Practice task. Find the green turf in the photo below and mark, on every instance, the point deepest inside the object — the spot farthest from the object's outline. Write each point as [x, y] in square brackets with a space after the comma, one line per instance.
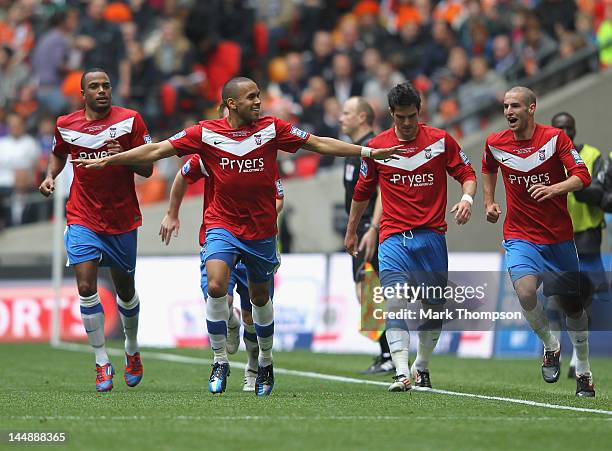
[48, 389]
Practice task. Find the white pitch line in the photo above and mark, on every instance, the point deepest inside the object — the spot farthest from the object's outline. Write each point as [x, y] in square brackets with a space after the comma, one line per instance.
[198, 361]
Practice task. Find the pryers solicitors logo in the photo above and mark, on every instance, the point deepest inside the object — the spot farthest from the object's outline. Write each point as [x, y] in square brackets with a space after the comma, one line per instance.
[242, 165]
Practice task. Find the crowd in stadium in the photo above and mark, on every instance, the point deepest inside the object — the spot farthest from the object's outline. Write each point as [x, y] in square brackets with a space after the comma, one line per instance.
[168, 59]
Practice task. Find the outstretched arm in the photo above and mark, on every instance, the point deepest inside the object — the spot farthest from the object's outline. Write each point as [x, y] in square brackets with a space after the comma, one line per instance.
[144, 170]
[331, 146]
[147, 153]
[55, 166]
[171, 222]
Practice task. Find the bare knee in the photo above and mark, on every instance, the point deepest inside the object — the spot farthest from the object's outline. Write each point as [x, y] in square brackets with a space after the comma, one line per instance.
[571, 306]
[87, 288]
[526, 289]
[217, 288]
[125, 292]
[260, 293]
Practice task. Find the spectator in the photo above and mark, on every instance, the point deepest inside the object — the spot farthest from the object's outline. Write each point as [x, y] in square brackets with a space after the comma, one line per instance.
[13, 74]
[129, 31]
[479, 42]
[557, 16]
[314, 98]
[276, 16]
[174, 57]
[144, 86]
[484, 86]
[102, 45]
[295, 83]
[504, 59]
[459, 64]
[569, 44]
[19, 154]
[409, 49]
[370, 60]
[344, 83]
[144, 16]
[26, 105]
[319, 60]
[172, 53]
[371, 32]
[16, 31]
[349, 39]
[442, 102]
[584, 26]
[376, 90]
[50, 61]
[436, 53]
[535, 49]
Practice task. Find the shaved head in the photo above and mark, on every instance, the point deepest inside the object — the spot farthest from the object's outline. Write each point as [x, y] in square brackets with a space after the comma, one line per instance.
[240, 96]
[527, 94]
[519, 109]
[231, 89]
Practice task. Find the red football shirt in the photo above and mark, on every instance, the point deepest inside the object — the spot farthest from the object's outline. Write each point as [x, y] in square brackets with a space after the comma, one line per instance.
[542, 159]
[193, 170]
[105, 200]
[413, 187]
[241, 168]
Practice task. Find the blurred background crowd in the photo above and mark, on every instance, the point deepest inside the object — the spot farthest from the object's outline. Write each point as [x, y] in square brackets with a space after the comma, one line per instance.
[169, 58]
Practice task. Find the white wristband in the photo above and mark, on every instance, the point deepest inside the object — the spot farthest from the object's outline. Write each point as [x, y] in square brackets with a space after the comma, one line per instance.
[467, 198]
[366, 151]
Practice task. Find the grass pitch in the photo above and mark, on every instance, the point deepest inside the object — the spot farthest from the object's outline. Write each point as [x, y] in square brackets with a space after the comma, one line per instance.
[47, 389]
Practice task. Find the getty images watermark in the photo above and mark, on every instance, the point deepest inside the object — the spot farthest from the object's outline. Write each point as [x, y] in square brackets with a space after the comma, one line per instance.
[431, 298]
[473, 300]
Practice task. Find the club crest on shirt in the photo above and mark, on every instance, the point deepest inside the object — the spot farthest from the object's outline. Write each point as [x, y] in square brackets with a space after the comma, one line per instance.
[364, 168]
[542, 154]
[112, 132]
[257, 139]
[179, 135]
[299, 133]
[577, 157]
[428, 153]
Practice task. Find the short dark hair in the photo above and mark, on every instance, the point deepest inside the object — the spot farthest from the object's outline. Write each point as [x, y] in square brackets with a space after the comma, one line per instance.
[404, 94]
[57, 18]
[91, 70]
[562, 114]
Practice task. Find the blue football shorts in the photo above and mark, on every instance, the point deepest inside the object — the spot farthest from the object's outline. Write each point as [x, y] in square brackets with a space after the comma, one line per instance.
[416, 257]
[260, 257]
[117, 250]
[555, 265]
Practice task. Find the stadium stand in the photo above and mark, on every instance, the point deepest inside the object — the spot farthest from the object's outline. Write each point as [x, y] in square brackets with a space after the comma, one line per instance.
[168, 60]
